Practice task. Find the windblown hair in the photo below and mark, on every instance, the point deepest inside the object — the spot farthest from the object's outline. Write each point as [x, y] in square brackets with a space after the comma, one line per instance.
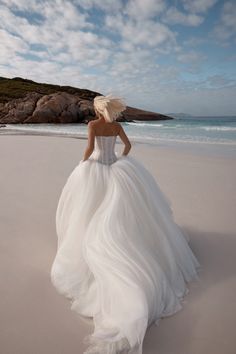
[109, 106]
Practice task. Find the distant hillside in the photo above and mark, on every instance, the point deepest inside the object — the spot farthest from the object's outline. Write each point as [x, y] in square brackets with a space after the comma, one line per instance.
[26, 101]
[19, 88]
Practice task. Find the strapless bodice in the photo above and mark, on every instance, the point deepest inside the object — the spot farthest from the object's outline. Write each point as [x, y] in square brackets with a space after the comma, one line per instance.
[104, 149]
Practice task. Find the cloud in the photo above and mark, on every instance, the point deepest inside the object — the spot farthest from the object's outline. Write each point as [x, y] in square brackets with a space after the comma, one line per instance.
[139, 9]
[194, 41]
[64, 34]
[174, 16]
[146, 33]
[219, 81]
[105, 5]
[225, 29]
[190, 57]
[198, 6]
[9, 45]
[57, 21]
[24, 5]
[192, 61]
[204, 101]
[133, 64]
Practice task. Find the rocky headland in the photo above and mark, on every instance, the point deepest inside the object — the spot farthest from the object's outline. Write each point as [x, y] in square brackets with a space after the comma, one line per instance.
[25, 101]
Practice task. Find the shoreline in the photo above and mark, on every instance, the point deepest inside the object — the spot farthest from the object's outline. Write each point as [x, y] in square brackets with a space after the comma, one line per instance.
[135, 139]
[227, 150]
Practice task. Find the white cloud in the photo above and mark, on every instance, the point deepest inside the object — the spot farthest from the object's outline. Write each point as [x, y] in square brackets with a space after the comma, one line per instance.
[229, 14]
[87, 48]
[174, 16]
[135, 9]
[190, 57]
[202, 102]
[198, 6]
[133, 64]
[139, 9]
[149, 33]
[9, 45]
[24, 5]
[144, 33]
[105, 5]
[54, 28]
[61, 34]
[192, 61]
[225, 30]
[194, 41]
[194, 97]
[218, 81]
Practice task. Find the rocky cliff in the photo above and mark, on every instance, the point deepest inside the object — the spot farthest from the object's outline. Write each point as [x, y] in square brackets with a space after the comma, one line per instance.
[26, 101]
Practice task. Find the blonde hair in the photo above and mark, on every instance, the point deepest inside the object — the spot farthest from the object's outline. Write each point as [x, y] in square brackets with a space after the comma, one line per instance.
[109, 106]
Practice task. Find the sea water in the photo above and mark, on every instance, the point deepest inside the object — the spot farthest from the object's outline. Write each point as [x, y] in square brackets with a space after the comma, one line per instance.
[221, 130]
[210, 130]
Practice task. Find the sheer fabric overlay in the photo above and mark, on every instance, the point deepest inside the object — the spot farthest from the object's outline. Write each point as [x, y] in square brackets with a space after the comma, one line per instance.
[121, 259]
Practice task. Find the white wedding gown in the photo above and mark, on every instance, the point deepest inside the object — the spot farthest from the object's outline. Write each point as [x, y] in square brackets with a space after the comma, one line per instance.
[121, 258]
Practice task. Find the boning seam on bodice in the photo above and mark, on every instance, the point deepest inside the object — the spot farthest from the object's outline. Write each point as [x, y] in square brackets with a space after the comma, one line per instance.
[105, 149]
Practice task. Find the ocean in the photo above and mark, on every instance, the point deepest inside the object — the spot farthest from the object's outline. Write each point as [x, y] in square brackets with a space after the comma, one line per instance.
[198, 130]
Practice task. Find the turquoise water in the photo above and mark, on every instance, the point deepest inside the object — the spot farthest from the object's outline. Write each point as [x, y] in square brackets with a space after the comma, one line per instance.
[212, 130]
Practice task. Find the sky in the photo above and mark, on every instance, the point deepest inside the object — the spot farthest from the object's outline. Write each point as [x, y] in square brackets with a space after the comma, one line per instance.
[162, 56]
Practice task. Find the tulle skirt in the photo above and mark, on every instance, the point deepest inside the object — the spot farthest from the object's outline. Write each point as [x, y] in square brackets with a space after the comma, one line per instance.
[121, 259]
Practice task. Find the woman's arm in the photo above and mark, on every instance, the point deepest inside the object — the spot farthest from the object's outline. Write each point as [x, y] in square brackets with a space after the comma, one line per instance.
[91, 138]
[125, 140]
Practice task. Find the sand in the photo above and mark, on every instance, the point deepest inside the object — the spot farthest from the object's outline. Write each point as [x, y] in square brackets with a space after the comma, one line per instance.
[35, 319]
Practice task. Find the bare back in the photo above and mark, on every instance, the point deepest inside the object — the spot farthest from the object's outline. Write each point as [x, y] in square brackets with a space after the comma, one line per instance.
[106, 129]
[113, 128]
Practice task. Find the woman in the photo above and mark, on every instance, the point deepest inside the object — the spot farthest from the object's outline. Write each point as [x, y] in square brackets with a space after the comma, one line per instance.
[121, 258]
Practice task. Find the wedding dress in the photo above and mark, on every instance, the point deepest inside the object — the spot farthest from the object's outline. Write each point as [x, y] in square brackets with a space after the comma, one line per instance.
[121, 259]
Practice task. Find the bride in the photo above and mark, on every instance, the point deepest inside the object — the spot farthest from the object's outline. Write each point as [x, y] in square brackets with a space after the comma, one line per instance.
[121, 259]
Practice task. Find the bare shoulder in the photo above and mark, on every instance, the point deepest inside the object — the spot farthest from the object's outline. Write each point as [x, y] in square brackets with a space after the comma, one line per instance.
[91, 123]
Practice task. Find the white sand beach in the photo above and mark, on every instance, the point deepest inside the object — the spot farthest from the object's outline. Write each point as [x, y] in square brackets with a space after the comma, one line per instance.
[35, 319]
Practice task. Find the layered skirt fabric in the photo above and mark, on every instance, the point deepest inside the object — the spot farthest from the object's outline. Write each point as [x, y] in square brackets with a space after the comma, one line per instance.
[121, 259]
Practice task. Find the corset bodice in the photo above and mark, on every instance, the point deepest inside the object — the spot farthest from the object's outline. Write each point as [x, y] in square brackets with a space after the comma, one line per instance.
[104, 149]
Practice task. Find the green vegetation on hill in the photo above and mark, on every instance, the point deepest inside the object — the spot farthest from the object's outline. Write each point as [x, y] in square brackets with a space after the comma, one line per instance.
[18, 88]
